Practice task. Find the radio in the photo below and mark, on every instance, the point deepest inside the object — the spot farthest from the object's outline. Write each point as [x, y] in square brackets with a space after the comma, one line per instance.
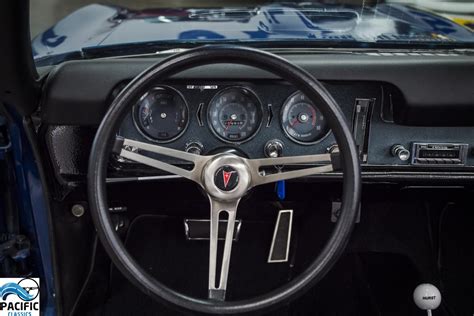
[439, 154]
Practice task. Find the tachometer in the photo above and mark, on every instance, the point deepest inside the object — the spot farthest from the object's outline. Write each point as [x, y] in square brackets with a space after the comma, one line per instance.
[235, 114]
[161, 114]
[302, 121]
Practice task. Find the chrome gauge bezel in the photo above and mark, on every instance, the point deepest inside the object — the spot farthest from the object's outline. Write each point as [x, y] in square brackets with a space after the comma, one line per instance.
[288, 135]
[259, 107]
[136, 107]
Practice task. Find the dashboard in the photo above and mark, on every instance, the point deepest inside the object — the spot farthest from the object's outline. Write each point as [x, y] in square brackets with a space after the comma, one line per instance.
[405, 123]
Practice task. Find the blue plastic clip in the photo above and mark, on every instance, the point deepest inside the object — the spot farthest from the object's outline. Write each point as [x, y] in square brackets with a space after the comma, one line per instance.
[281, 189]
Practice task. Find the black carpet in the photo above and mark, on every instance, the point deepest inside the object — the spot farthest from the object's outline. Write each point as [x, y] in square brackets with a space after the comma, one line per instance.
[160, 246]
[456, 259]
[359, 284]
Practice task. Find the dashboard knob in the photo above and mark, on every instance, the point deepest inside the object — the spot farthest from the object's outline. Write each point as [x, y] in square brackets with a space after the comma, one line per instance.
[401, 152]
[194, 148]
[333, 149]
[273, 148]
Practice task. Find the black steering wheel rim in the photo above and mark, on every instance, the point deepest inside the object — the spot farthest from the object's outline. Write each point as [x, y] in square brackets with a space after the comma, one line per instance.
[219, 54]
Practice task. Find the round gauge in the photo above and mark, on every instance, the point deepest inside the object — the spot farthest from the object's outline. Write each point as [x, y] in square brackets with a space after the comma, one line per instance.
[235, 114]
[302, 121]
[161, 114]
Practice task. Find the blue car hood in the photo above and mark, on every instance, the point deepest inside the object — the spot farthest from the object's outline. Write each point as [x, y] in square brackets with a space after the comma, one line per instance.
[96, 26]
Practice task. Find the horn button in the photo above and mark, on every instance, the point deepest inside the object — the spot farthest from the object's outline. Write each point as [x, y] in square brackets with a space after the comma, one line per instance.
[227, 177]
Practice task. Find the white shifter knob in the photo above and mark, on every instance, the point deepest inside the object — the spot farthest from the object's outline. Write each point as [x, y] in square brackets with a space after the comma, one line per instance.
[427, 297]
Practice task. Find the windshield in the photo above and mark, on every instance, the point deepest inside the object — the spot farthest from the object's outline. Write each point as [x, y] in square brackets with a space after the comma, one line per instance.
[82, 28]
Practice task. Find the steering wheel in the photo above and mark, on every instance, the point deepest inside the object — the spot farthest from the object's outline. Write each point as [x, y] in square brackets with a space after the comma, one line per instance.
[208, 171]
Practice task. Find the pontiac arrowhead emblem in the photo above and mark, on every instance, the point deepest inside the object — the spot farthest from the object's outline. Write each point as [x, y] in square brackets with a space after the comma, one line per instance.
[226, 178]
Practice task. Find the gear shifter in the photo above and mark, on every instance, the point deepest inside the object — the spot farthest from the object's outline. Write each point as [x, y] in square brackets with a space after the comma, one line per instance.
[427, 297]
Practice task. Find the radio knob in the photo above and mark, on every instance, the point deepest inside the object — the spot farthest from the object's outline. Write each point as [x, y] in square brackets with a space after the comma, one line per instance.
[401, 152]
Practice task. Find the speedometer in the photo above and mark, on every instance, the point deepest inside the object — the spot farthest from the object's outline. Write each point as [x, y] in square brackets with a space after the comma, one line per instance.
[235, 114]
[161, 114]
[302, 121]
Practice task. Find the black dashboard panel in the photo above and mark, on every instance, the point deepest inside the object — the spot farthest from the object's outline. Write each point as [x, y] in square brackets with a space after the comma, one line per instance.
[428, 82]
[395, 86]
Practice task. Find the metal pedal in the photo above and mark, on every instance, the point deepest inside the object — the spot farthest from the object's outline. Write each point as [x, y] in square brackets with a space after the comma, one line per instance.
[280, 248]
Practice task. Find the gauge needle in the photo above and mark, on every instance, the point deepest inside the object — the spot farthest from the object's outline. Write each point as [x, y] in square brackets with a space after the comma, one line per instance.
[227, 124]
[293, 123]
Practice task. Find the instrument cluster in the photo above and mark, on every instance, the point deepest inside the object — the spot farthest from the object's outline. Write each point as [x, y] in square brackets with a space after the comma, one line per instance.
[234, 114]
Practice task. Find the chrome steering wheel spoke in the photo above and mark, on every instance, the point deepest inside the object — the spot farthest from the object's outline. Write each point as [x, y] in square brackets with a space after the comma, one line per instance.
[218, 286]
[290, 160]
[260, 177]
[130, 149]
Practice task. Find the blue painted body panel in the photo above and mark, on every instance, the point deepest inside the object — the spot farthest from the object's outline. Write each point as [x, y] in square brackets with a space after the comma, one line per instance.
[33, 214]
[96, 26]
